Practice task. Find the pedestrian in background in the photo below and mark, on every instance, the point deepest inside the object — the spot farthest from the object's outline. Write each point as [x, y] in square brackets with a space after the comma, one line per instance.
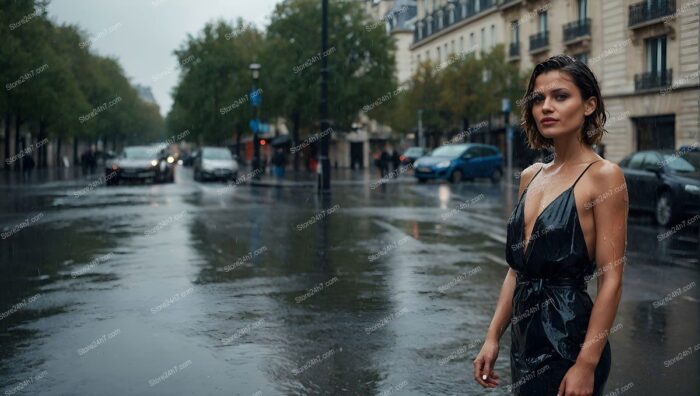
[384, 159]
[279, 163]
[395, 159]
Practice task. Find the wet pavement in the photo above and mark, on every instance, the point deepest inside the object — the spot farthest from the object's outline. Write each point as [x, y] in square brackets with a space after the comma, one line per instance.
[194, 288]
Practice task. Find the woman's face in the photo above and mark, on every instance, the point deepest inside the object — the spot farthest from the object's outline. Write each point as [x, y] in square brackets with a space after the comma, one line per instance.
[557, 106]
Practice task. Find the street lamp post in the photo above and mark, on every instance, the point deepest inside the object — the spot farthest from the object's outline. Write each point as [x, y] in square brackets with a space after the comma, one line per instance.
[255, 73]
[324, 165]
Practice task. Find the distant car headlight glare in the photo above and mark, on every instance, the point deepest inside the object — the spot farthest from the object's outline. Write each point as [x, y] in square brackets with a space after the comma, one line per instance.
[443, 164]
[693, 189]
[171, 159]
[154, 163]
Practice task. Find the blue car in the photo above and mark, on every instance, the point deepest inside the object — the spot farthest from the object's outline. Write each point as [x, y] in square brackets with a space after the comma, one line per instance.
[458, 162]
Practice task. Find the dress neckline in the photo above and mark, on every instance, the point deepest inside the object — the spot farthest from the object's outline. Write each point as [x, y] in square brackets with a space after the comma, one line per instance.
[526, 247]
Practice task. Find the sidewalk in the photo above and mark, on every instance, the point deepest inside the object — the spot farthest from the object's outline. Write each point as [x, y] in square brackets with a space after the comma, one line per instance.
[340, 176]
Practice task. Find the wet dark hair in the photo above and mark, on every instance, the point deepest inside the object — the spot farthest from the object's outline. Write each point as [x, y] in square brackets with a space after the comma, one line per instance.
[584, 79]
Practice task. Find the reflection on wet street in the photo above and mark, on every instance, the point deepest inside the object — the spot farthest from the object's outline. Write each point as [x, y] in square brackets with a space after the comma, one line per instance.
[195, 288]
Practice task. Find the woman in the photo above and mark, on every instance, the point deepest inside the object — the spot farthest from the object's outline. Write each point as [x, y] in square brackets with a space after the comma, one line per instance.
[569, 227]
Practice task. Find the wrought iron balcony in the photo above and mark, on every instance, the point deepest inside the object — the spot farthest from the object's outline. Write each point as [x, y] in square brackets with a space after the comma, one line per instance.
[539, 41]
[573, 31]
[653, 80]
[650, 10]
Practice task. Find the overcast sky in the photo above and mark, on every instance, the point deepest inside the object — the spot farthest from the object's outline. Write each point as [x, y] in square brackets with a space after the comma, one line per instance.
[142, 34]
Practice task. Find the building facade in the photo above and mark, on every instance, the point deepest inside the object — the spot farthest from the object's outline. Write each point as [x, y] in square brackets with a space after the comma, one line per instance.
[644, 53]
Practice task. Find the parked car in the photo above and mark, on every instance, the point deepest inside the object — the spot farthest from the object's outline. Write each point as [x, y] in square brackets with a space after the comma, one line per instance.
[144, 163]
[412, 154]
[458, 162]
[664, 182]
[215, 163]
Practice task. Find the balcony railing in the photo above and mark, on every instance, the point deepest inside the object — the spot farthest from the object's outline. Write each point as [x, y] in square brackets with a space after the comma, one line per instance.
[459, 13]
[514, 50]
[650, 10]
[539, 41]
[653, 80]
[577, 29]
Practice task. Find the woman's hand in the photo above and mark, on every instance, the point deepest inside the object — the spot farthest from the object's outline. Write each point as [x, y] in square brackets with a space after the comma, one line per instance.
[483, 365]
[578, 381]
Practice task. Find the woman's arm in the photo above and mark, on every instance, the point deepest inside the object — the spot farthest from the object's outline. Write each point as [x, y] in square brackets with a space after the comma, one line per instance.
[504, 308]
[610, 209]
[610, 214]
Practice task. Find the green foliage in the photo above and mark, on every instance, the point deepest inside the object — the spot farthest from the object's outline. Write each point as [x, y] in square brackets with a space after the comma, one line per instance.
[457, 90]
[212, 98]
[54, 81]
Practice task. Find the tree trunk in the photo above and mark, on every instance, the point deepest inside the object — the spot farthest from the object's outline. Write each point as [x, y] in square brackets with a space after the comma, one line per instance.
[42, 150]
[7, 139]
[59, 162]
[75, 150]
[295, 139]
[18, 123]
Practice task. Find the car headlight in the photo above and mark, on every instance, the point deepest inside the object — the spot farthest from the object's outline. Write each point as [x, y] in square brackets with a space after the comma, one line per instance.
[692, 188]
[171, 159]
[154, 163]
[443, 164]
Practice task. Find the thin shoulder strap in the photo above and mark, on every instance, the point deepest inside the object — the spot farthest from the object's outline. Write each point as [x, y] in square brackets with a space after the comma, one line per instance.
[584, 171]
[533, 177]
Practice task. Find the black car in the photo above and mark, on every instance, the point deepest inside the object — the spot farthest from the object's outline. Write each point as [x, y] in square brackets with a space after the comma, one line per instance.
[412, 154]
[664, 182]
[144, 163]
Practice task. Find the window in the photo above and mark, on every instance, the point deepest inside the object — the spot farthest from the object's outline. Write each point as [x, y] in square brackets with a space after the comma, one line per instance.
[493, 36]
[656, 55]
[439, 17]
[472, 40]
[543, 21]
[464, 8]
[461, 44]
[583, 57]
[438, 55]
[476, 6]
[514, 32]
[445, 51]
[582, 10]
[483, 38]
[452, 47]
[452, 16]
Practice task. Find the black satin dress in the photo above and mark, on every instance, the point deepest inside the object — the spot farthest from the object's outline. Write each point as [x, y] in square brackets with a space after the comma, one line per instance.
[551, 306]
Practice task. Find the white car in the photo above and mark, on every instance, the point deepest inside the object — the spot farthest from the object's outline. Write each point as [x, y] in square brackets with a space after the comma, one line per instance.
[215, 163]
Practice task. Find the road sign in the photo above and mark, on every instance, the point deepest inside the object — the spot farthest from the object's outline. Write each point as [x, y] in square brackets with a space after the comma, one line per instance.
[256, 98]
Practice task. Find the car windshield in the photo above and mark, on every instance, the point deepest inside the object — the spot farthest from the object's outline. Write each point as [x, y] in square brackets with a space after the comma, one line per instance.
[414, 151]
[683, 163]
[448, 151]
[138, 153]
[216, 154]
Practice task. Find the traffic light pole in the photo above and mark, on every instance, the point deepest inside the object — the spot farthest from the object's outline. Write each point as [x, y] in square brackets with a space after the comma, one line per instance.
[324, 163]
[256, 140]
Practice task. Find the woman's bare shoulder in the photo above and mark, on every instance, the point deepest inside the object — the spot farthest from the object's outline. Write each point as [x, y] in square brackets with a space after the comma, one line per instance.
[607, 178]
[528, 173]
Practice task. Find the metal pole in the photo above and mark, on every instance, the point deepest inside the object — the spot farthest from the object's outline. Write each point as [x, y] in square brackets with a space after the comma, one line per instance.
[324, 169]
[256, 140]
